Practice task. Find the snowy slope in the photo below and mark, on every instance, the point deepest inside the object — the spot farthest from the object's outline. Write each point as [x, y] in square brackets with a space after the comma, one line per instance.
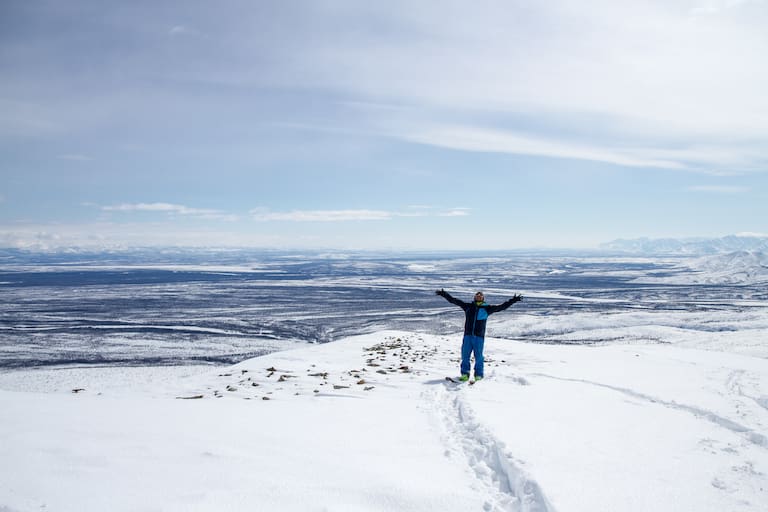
[736, 268]
[369, 423]
[691, 246]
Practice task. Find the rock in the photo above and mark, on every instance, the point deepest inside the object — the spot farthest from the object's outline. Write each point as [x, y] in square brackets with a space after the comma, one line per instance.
[195, 397]
[78, 390]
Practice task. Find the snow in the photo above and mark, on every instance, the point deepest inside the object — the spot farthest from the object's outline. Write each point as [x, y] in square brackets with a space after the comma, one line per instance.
[369, 423]
[739, 268]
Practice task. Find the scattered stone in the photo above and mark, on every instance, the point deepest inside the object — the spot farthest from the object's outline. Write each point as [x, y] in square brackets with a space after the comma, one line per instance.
[231, 388]
[254, 384]
[361, 382]
[78, 390]
[368, 388]
[195, 397]
[383, 372]
[321, 374]
[337, 386]
[265, 398]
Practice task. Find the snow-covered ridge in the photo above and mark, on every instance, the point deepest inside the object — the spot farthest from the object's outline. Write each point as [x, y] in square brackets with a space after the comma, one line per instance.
[690, 246]
[736, 267]
[741, 267]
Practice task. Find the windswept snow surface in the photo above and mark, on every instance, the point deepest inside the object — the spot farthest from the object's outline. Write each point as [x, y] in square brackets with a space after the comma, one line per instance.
[369, 423]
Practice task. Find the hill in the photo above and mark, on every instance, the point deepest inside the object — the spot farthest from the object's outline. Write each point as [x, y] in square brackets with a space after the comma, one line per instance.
[369, 423]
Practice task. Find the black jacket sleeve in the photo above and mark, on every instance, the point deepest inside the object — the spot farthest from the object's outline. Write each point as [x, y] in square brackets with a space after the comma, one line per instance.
[504, 305]
[450, 298]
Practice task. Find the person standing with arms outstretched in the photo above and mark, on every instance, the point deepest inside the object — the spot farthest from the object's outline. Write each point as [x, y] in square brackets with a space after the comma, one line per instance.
[476, 313]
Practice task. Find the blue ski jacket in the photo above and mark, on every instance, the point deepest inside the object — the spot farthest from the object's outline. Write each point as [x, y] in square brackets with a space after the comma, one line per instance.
[476, 313]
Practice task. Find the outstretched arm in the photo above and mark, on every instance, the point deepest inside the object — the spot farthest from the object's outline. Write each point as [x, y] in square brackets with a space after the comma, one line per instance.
[504, 305]
[447, 296]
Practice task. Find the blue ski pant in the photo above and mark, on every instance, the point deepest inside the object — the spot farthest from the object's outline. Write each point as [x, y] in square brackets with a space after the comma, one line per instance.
[472, 344]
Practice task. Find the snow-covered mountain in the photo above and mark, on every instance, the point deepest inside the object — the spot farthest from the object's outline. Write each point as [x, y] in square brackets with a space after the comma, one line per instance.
[689, 246]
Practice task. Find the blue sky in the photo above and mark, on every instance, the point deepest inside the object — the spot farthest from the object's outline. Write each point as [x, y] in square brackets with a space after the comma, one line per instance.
[381, 125]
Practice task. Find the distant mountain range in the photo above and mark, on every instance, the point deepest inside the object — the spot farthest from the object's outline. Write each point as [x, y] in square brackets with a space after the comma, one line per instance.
[689, 246]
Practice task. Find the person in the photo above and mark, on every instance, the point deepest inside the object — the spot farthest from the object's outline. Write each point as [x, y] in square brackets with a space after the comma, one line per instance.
[476, 313]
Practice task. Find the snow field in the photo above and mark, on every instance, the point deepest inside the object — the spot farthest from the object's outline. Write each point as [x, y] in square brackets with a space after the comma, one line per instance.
[370, 424]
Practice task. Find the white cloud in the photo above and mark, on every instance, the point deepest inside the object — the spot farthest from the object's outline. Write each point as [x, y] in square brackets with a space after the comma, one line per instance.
[75, 157]
[657, 76]
[322, 215]
[182, 30]
[718, 6]
[264, 215]
[496, 141]
[169, 208]
[719, 189]
[456, 212]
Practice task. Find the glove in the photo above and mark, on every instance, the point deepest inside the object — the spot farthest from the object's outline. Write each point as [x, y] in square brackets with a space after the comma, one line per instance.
[440, 292]
[516, 298]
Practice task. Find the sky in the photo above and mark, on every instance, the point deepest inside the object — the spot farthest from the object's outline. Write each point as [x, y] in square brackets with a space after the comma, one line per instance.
[381, 125]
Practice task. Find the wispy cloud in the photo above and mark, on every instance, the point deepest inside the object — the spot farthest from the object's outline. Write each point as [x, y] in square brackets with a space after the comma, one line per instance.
[75, 157]
[264, 215]
[710, 89]
[456, 212]
[182, 30]
[719, 189]
[172, 209]
[718, 6]
[322, 215]
[469, 138]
